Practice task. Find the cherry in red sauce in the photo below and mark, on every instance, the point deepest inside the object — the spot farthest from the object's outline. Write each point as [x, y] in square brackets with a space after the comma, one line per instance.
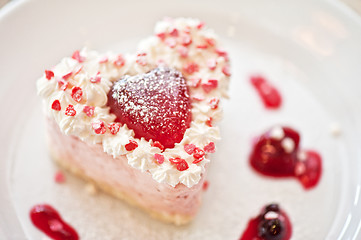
[156, 105]
[49, 221]
[270, 96]
[271, 224]
[277, 154]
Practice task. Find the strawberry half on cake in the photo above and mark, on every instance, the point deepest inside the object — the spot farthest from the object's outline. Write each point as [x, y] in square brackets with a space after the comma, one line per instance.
[141, 126]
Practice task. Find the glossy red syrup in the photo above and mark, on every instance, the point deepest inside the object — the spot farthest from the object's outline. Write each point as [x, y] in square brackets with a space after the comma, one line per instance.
[271, 224]
[270, 96]
[276, 153]
[156, 105]
[49, 221]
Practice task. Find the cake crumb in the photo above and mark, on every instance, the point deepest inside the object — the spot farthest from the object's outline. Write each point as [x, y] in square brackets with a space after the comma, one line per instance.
[90, 189]
[335, 129]
[59, 177]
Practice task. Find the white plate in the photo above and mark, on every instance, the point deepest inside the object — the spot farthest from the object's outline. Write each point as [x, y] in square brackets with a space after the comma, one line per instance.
[310, 50]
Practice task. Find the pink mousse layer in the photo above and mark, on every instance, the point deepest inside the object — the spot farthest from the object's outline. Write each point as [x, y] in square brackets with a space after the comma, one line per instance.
[174, 204]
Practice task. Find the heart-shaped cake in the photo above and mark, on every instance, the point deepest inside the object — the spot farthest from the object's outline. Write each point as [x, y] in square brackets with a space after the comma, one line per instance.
[142, 125]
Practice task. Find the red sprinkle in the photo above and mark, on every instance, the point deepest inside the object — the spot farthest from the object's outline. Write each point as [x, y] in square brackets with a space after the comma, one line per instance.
[76, 55]
[78, 69]
[186, 40]
[191, 67]
[114, 128]
[66, 76]
[205, 185]
[119, 62]
[131, 145]
[202, 46]
[212, 63]
[56, 105]
[158, 145]
[70, 111]
[77, 94]
[210, 147]
[197, 160]
[174, 32]
[88, 110]
[49, 74]
[209, 122]
[198, 97]
[226, 71]
[99, 127]
[189, 148]
[270, 96]
[214, 102]
[180, 163]
[161, 35]
[159, 158]
[222, 53]
[141, 59]
[198, 153]
[59, 177]
[210, 85]
[200, 25]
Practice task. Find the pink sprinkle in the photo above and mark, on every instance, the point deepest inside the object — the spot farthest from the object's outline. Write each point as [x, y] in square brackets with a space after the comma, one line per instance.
[174, 32]
[183, 51]
[180, 163]
[49, 74]
[68, 75]
[56, 105]
[76, 55]
[210, 85]
[170, 42]
[119, 62]
[78, 69]
[191, 67]
[89, 110]
[226, 71]
[114, 128]
[210, 147]
[214, 103]
[99, 127]
[186, 40]
[189, 148]
[195, 82]
[141, 59]
[59, 177]
[212, 63]
[198, 97]
[95, 79]
[159, 158]
[210, 41]
[62, 84]
[131, 145]
[104, 59]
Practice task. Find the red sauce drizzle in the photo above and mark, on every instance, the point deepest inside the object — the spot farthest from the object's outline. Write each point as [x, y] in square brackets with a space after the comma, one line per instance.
[276, 153]
[270, 96]
[49, 221]
[266, 226]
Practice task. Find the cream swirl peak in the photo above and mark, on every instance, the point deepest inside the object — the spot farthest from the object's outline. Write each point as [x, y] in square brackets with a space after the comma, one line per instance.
[75, 95]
